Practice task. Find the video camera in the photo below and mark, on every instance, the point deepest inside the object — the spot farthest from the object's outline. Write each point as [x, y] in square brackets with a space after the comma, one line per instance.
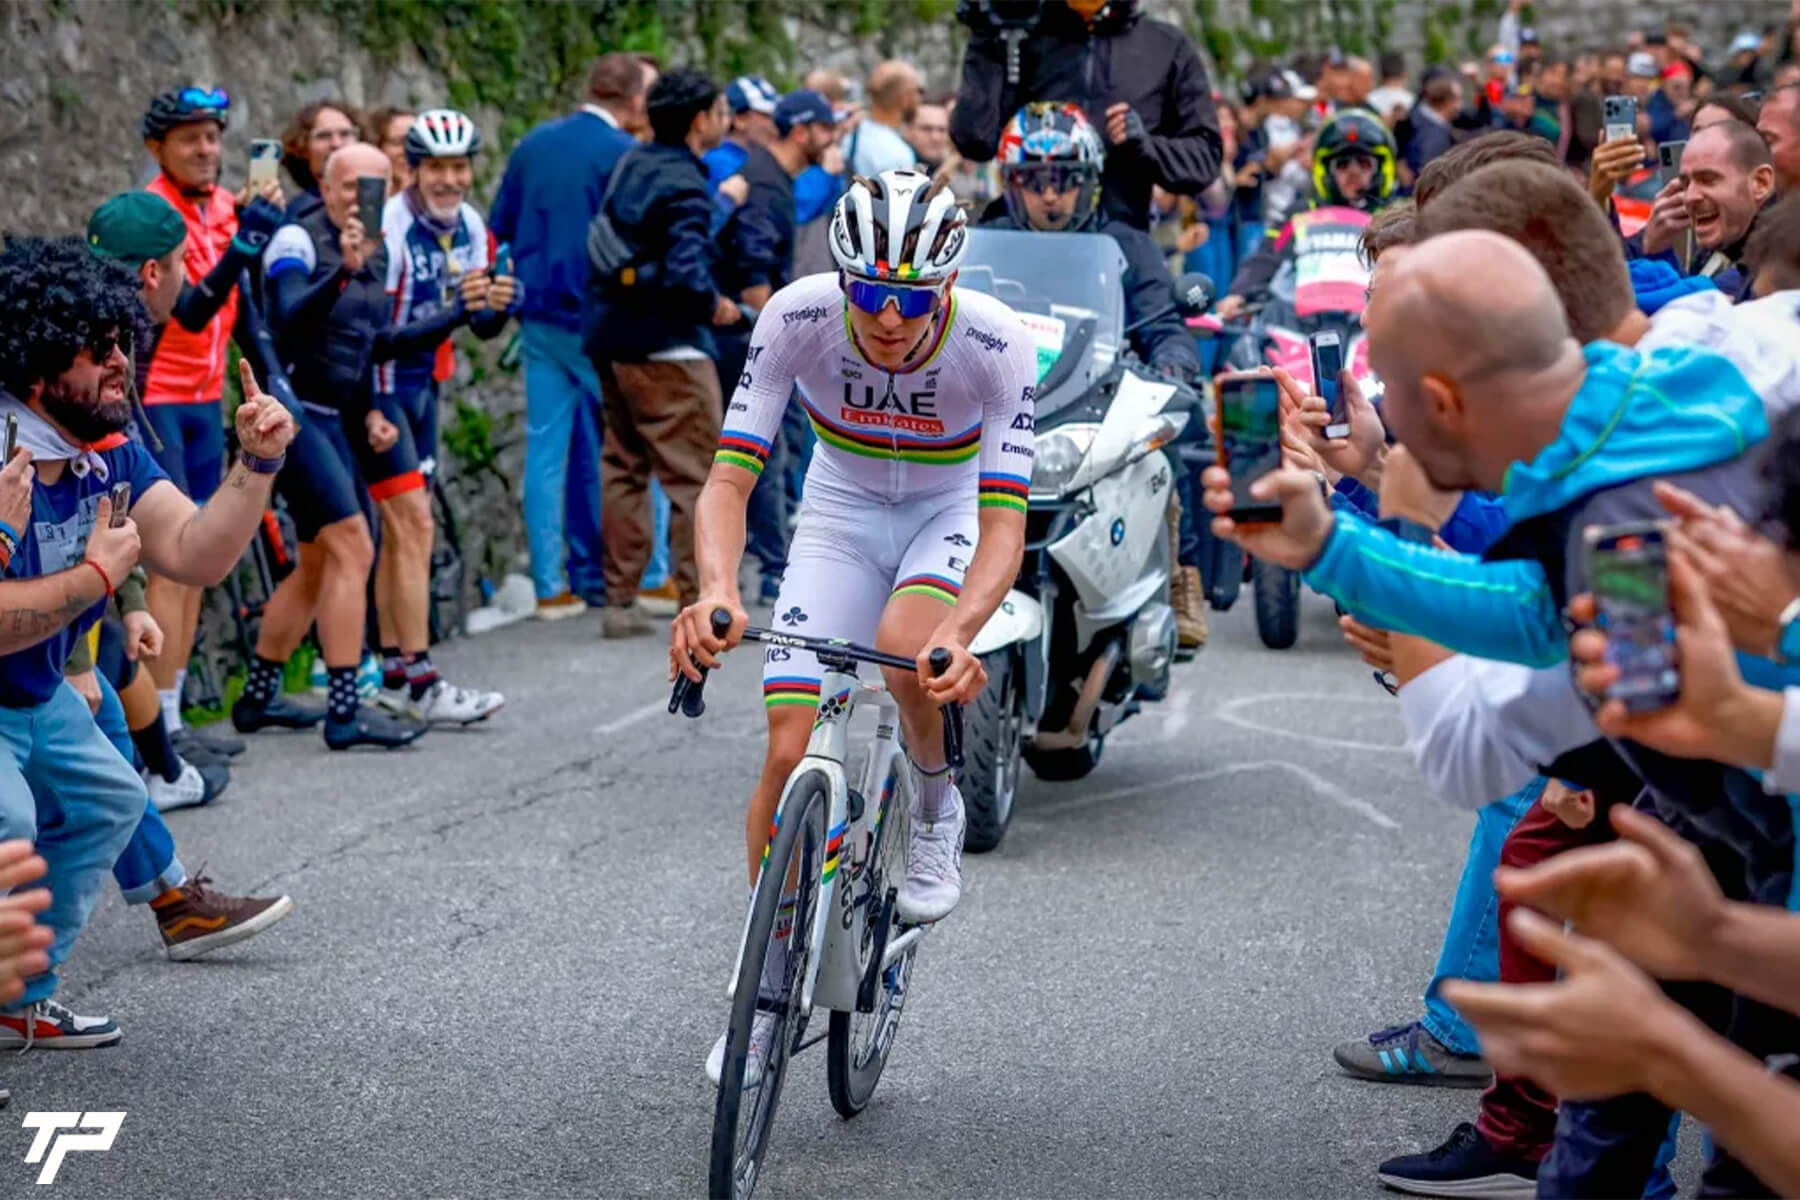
[1010, 20]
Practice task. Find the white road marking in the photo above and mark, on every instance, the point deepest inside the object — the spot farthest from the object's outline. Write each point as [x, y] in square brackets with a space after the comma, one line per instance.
[1228, 713]
[1319, 784]
[633, 717]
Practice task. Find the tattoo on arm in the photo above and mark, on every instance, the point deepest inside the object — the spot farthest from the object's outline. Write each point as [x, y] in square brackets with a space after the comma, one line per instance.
[239, 478]
[41, 623]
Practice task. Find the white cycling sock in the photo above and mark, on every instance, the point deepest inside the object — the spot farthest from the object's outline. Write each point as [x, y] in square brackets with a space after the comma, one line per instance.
[774, 970]
[932, 789]
[171, 707]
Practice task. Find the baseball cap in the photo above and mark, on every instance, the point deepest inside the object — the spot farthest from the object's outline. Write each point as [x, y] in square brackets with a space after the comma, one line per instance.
[1528, 36]
[1297, 87]
[1642, 65]
[135, 227]
[1745, 41]
[752, 93]
[804, 107]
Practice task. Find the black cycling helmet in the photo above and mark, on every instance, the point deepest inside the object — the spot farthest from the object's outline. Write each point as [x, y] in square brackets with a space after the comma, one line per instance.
[1353, 132]
[185, 106]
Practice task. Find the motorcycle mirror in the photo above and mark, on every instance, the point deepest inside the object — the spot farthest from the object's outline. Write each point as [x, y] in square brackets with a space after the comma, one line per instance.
[1194, 294]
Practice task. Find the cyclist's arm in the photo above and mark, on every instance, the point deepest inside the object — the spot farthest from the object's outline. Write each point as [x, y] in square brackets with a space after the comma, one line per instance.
[1007, 417]
[420, 337]
[300, 295]
[201, 302]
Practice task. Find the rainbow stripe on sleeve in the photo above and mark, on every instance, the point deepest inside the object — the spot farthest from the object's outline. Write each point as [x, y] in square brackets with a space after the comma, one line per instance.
[737, 449]
[1005, 491]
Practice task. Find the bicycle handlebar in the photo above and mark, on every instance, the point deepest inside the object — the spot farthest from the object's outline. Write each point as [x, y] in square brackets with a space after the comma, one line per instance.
[688, 698]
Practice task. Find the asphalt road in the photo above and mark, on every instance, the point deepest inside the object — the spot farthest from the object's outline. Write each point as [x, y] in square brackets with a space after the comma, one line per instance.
[511, 944]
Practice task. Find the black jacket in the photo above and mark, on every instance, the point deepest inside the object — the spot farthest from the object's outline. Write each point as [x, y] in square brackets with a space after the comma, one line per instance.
[658, 201]
[757, 243]
[1149, 64]
[1163, 341]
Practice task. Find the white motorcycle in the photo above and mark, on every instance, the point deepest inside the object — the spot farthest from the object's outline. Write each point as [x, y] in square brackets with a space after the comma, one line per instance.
[1087, 633]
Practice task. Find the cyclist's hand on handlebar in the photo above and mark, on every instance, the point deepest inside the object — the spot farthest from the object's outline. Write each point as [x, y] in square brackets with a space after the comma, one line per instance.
[1230, 308]
[965, 678]
[691, 638]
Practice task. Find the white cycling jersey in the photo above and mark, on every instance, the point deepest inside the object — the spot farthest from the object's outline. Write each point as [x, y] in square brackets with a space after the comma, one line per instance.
[962, 416]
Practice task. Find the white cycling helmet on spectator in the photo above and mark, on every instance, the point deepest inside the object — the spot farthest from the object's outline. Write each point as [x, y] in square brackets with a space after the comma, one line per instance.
[899, 227]
[441, 133]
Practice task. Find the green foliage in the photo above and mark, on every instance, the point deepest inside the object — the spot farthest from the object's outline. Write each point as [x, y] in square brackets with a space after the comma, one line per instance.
[470, 437]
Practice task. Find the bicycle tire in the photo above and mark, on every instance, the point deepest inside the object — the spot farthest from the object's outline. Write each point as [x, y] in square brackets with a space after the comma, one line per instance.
[852, 1085]
[799, 835]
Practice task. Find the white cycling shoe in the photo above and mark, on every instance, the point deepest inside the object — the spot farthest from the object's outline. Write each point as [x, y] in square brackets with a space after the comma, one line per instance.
[447, 704]
[762, 1031]
[933, 867]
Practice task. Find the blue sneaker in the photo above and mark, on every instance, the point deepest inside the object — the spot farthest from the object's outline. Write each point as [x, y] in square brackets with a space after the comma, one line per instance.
[1409, 1054]
[1465, 1165]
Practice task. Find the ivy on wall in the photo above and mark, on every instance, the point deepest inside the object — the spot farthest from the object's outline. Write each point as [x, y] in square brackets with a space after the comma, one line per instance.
[1453, 29]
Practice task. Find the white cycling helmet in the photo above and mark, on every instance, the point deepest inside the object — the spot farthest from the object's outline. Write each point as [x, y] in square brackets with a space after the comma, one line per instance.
[441, 133]
[899, 227]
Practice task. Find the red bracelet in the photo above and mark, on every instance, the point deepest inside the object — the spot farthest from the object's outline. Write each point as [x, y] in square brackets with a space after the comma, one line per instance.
[101, 571]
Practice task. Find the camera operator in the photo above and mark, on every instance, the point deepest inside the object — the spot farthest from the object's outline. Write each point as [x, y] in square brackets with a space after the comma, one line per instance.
[1139, 80]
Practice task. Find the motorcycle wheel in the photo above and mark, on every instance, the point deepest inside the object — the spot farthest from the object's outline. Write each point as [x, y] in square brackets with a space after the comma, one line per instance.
[1277, 604]
[992, 733]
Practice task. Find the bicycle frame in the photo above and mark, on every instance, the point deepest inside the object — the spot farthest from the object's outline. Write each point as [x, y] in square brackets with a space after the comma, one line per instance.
[835, 966]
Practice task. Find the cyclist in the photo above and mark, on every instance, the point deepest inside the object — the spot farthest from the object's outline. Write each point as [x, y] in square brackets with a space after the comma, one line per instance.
[913, 519]
[1353, 166]
[439, 259]
[184, 130]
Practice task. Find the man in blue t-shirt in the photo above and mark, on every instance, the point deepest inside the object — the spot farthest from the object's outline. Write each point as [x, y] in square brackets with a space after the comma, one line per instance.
[66, 321]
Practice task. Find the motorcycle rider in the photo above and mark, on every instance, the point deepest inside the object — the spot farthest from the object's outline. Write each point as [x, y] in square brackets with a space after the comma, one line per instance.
[1353, 166]
[1051, 165]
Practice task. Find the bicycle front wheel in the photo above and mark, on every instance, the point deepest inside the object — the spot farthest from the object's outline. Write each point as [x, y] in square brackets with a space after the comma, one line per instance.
[743, 1116]
[857, 1043]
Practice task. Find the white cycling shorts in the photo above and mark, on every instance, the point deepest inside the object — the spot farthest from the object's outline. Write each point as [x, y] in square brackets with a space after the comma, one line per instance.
[851, 553]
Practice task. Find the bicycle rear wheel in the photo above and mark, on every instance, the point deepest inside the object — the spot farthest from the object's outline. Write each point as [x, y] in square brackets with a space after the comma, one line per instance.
[742, 1118]
[857, 1043]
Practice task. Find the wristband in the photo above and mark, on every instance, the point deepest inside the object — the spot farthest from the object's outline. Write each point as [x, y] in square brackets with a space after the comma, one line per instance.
[104, 577]
[9, 534]
[262, 466]
[1787, 637]
[1408, 530]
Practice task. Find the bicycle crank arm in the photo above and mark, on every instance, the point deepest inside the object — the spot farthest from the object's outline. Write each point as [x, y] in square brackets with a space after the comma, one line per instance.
[884, 918]
[896, 949]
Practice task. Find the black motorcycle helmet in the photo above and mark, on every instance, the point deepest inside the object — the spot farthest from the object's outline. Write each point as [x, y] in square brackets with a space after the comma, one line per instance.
[1352, 132]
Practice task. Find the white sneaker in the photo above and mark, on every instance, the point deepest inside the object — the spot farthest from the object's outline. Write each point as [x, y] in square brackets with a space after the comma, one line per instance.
[762, 1033]
[933, 867]
[398, 702]
[188, 790]
[447, 704]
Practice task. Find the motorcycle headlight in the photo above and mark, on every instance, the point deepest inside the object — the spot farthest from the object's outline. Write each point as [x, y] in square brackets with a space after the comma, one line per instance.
[1059, 453]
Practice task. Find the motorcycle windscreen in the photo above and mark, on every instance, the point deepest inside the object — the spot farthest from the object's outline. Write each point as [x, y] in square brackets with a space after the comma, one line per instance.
[1330, 275]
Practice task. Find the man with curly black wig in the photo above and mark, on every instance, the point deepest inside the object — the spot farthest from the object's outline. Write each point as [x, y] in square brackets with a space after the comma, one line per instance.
[65, 326]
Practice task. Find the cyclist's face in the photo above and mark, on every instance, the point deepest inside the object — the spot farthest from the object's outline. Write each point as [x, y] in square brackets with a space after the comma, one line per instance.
[1353, 175]
[330, 130]
[887, 338]
[444, 182]
[189, 155]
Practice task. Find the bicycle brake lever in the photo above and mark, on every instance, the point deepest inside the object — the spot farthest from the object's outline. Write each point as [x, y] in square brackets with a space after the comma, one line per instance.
[686, 696]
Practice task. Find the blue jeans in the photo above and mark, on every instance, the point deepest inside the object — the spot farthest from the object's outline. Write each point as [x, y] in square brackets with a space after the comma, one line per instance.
[1471, 947]
[559, 381]
[587, 579]
[657, 573]
[148, 867]
[87, 802]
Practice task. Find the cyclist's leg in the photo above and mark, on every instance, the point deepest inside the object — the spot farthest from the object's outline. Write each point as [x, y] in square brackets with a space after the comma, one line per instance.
[832, 589]
[397, 485]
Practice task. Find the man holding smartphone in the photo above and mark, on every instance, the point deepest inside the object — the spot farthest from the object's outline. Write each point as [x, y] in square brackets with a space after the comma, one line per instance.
[183, 130]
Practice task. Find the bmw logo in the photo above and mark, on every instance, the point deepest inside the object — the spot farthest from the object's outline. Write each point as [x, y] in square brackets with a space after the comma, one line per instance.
[1118, 531]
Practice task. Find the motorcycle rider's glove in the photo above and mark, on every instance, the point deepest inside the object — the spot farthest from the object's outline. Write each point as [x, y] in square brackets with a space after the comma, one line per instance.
[1136, 135]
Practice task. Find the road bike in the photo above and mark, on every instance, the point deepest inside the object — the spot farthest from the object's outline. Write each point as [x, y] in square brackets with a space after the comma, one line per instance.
[837, 858]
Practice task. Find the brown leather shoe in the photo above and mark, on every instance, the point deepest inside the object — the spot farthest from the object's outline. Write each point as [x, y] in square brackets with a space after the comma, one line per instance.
[624, 622]
[196, 920]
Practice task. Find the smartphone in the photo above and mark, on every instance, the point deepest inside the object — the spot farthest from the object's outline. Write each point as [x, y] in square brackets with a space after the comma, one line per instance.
[1628, 570]
[121, 502]
[1249, 440]
[1327, 366]
[12, 437]
[265, 162]
[371, 198]
[1668, 161]
[1621, 114]
[503, 260]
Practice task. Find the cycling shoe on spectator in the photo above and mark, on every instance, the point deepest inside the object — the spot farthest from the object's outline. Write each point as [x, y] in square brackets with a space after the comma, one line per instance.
[371, 727]
[192, 788]
[446, 704]
[279, 712]
[214, 738]
[192, 749]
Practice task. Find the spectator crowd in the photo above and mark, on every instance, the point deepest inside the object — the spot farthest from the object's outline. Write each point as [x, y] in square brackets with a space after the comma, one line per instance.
[1583, 305]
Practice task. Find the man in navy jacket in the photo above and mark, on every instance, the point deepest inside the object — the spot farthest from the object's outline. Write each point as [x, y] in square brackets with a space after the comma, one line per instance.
[553, 187]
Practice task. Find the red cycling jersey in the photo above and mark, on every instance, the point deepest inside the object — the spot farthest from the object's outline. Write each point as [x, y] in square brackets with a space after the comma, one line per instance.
[189, 368]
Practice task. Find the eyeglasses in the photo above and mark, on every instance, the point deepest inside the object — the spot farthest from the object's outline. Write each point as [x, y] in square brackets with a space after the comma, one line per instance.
[1049, 176]
[1365, 162]
[872, 297]
[199, 98]
[102, 347]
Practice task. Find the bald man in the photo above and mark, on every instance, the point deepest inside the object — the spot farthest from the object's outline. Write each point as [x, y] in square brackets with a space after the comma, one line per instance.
[329, 311]
[877, 143]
